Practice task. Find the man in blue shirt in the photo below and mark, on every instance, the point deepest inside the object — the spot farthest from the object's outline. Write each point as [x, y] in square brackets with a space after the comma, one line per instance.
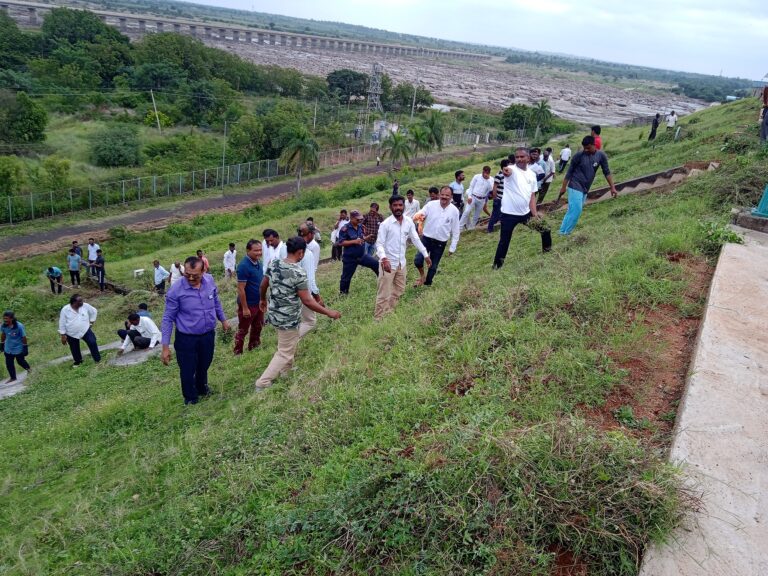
[249, 315]
[193, 306]
[54, 277]
[13, 344]
[74, 262]
[579, 178]
[161, 275]
[352, 238]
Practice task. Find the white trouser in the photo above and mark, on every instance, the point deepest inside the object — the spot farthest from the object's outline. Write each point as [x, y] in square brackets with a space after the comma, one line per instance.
[472, 213]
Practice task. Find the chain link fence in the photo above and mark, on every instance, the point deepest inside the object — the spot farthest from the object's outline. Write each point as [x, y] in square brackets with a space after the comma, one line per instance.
[15, 209]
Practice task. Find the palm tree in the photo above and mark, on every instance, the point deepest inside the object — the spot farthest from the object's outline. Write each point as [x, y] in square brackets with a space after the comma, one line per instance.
[301, 153]
[397, 148]
[434, 126]
[419, 138]
[542, 114]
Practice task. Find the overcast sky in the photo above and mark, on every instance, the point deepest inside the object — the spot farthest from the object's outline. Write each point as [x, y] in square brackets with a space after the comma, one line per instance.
[704, 36]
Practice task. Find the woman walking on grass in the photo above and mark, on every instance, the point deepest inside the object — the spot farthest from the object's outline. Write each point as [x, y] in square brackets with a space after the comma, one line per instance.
[13, 343]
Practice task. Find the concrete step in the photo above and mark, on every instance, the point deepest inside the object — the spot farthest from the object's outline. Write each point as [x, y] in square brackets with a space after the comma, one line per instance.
[721, 434]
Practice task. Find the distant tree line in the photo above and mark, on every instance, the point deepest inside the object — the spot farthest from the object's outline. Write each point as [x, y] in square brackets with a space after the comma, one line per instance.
[700, 86]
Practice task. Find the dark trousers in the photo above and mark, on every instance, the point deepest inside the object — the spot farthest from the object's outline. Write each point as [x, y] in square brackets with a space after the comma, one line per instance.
[54, 282]
[508, 223]
[91, 268]
[90, 339]
[543, 192]
[9, 365]
[562, 165]
[194, 354]
[435, 249]
[100, 278]
[245, 325]
[139, 342]
[336, 252]
[160, 287]
[495, 214]
[458, 201]
[74, 277]
[349, 267]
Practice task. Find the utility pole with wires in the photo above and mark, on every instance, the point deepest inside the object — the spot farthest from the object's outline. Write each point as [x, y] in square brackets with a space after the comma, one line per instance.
[157, 117]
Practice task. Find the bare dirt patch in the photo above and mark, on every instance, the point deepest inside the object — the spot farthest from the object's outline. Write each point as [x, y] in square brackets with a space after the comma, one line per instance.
[645, 403]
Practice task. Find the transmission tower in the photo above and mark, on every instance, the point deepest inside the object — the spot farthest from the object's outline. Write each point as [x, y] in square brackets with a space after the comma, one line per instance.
[374, 99]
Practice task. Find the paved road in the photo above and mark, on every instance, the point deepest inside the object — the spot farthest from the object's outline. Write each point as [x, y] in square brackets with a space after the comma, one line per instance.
[66, 232]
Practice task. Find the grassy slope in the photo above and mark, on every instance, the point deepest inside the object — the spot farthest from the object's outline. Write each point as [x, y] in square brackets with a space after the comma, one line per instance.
[360, 461]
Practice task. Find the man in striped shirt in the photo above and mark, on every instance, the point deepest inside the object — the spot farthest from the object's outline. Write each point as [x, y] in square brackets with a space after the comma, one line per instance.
[496, 194]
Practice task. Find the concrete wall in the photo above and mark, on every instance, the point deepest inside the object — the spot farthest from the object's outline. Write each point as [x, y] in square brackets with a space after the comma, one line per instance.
[30, 15]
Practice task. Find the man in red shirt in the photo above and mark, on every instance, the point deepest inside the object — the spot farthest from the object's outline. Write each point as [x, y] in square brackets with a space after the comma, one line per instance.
[596, 135]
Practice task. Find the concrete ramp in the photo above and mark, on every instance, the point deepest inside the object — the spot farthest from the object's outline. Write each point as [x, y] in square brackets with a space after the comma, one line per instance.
[721, 436]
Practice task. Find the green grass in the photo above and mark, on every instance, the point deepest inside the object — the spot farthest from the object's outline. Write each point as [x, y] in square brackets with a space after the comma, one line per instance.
[445, 439]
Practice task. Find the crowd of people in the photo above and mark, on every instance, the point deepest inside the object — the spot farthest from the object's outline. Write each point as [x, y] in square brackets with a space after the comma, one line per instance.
[276, 279]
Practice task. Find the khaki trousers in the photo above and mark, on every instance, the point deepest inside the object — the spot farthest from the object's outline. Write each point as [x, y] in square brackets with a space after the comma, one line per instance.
[308, 321]
[391, 287]
[281, 362]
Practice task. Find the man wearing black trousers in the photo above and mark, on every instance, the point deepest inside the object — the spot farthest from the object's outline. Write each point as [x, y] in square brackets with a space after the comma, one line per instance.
[518, 204]
[352, 239]
[75, 321]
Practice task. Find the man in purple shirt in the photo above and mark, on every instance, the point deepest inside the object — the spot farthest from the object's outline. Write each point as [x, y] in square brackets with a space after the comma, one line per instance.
[193, 305]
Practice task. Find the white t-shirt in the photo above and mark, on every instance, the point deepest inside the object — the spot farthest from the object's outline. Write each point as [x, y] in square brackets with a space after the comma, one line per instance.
[230, 259]
[269, 253]
[671, 120]
[314, 248]
[411, 207]
[565, 154]
[92, 248]
[518, 188]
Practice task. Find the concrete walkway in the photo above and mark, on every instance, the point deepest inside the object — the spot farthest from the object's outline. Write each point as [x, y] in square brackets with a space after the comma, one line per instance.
[721, 437]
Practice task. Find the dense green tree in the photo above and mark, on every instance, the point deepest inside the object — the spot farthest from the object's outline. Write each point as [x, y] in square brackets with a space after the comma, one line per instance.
[542, 115]
[11, 175]
[402, 97]
[281, 120]
[315, 88]
[55, 173]
[246, 139]
[347, 84]
[14, 44]
[177, 51]
[387, 87]
[300, 154]
[116, 145]
[156, 76]
[76, 26]
[206, 101]
[21, 119]
[396, 148]
[516, 117]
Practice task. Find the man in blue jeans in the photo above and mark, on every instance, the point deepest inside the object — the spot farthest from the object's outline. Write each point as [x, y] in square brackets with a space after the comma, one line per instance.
[193, 305]
[352, 239]
[579, 178]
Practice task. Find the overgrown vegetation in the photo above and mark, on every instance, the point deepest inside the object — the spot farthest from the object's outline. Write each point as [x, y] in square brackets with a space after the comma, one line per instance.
[446, 439]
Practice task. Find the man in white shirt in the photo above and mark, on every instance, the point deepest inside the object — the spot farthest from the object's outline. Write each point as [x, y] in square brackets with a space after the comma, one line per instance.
[441, 219]
[391, 244]
[230, 261]
[671, 121]
[411, 205]
[75, 321]
[477, 195]
[457, 188]
[161, 275]
[272, 247]
[535, 163]
[142, 333]
[177, 271]
[309, 265]
[565, 156]
[518, 205]
[549, 175]
[336, 248]
[92, 255]
[313, 247]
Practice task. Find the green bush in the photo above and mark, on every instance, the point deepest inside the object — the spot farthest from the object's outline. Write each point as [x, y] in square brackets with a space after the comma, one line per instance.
[12, 176]
[117, 145]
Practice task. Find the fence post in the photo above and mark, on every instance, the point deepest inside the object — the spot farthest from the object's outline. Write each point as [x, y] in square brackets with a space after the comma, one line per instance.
[90, 199]
[249, 171]
[51, 193]
[205, 179]
[138, 188]
[123, 191]
[180, 177]
[32, 203]
[71, 203]
[10, 211]
[167, 186]
[229, 178]
[258, 171]
[239, 166]
[193, 181]
[106, 193]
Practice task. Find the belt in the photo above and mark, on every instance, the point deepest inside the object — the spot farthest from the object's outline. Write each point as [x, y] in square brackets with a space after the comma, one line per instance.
[479, 197]
[436, 240]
